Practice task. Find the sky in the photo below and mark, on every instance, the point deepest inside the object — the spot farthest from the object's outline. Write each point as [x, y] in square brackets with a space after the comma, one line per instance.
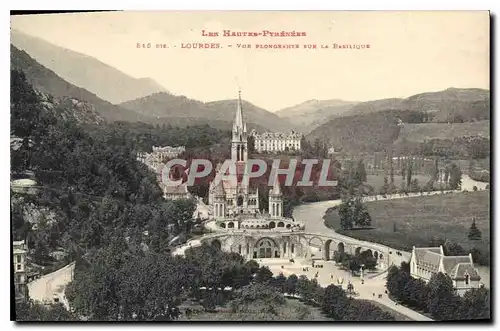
[410, 52]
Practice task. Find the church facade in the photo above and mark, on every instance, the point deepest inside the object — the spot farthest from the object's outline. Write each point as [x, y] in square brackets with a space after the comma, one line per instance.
[235, 204]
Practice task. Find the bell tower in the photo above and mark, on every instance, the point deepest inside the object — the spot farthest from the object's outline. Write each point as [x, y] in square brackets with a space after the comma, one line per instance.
[239, 141]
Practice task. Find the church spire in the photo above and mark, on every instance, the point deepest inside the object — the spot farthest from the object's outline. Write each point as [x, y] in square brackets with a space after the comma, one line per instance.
[238, 120]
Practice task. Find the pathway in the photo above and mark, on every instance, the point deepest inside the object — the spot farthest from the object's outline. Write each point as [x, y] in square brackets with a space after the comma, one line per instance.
[47, 287]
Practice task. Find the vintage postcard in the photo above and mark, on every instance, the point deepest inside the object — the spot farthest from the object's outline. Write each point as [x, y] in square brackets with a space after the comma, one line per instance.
[250, 166]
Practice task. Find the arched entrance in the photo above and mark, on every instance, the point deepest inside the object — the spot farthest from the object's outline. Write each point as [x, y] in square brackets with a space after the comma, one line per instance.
[230, 225]
[326, 252]
[223, 225]
[368, 253]
[272, 225]
[281, 224]
[341, 248]
[216, 243]
[239, 201]
[357, 251]
[266, 248]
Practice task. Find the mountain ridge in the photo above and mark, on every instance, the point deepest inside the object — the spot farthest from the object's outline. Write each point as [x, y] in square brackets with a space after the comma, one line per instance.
[82, 70]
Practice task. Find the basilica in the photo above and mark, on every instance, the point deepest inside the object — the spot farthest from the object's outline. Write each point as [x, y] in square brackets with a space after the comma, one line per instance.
[235, 204]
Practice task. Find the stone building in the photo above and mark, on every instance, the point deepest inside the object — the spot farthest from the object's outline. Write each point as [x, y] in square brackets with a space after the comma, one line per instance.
[171, 192]
[19, 259]
[276, 142]
[426, 261]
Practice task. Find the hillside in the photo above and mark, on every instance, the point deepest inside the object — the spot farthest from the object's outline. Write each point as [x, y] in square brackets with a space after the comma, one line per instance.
[359, 133]
[312, 113]
[426, 131]
[82, 70]
[451, 105]
[46, 81]
[376, 105]
[170, 106]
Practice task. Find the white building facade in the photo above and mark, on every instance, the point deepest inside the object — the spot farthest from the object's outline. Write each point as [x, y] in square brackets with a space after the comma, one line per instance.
[426, 261]
[276, 142]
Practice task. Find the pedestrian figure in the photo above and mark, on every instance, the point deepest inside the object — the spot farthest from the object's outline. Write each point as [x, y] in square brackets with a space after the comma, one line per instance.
[374, 295]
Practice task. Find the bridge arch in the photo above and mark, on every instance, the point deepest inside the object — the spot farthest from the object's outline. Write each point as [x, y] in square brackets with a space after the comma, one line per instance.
[326, 251]
[216, 244]
[368, 252]
[315, 241]
[341, 248]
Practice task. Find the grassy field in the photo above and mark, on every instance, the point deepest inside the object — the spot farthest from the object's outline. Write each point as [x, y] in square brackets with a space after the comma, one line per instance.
[426, 131]
[418, 220]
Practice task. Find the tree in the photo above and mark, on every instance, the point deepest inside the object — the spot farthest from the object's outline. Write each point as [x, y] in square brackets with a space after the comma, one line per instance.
[474, 232]
[257, 298]
[409, 172]
[385, 188]
[361, 172]
[306, 288]
[31, 311]
[414, 185]
[476, 304]
[455, 177]
[252, 266]
[264, 275]
[345, 214]
[291, 284]
[441, 297]
[335, 302]
[279, 283]
[353, 212]
[391, 168]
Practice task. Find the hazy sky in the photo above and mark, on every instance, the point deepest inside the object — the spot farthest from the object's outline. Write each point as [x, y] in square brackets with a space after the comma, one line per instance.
[410, 52]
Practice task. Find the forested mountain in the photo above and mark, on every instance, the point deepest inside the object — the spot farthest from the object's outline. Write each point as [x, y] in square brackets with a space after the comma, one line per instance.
[166, 105]
[93, 184]
[81, 70]
[360, 133]
[89, 108]
[454, 105]
[48, 82]
[312, 113]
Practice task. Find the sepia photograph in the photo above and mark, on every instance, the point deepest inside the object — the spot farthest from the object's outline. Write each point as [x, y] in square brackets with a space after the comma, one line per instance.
[245, 166]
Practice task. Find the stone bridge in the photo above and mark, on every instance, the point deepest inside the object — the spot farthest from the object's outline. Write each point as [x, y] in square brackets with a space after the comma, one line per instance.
[254, 244]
